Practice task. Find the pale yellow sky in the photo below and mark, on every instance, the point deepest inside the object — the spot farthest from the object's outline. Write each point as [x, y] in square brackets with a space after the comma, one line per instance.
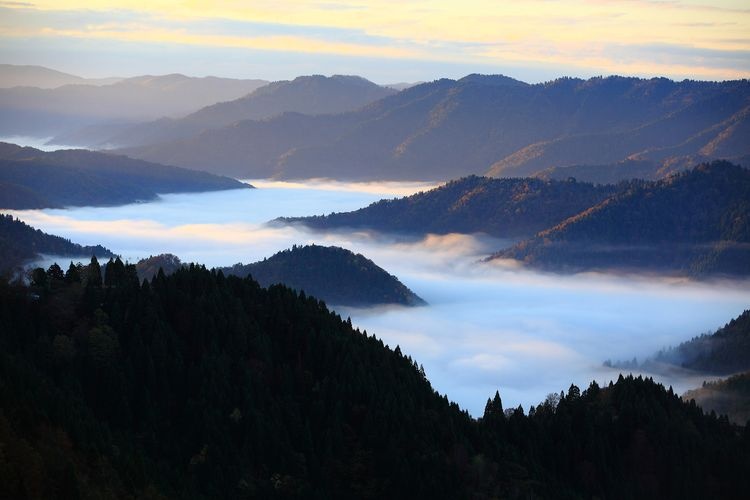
[674, 38]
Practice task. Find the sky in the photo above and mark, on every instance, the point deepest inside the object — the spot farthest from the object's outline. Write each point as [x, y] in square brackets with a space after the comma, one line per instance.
[487, 327]
[386, 41]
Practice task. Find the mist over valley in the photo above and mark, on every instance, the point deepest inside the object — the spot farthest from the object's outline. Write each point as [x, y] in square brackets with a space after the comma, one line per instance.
[238, 261]
[487, 326]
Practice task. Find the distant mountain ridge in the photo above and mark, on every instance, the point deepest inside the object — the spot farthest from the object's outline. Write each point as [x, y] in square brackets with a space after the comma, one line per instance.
[333, 274]
[46, 112]
[486, 124]
[31, 178]
[310, 95]
[13, 75]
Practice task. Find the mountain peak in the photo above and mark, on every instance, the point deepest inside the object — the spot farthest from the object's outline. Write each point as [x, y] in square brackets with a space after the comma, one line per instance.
[494, 80]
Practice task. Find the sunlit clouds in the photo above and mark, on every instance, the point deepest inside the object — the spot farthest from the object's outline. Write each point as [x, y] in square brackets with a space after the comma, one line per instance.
[528, 40]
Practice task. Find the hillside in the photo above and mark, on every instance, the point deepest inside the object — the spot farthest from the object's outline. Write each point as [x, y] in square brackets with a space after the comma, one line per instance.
[723, 352]
[695, 223]
[311, 95]
[332, 274]
[197, 385]
[31, 178]
[506, 208]
[485, 124]
[21, 243]
[730, 397]
[40, 112]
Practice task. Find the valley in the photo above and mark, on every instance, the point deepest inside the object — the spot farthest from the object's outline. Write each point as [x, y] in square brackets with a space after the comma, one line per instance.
[487, 325]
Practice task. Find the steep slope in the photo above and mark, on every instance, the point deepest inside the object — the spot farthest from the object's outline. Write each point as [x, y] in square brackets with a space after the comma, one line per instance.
[333, 274]
[20, 243]
[198, 385]
[46, 112]
[447, 129]
[695, 222]
[311, 95]
[506, 208]
[31, 178]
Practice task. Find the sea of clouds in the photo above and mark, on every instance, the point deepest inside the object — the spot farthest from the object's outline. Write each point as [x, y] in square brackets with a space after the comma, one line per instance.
[488, 326]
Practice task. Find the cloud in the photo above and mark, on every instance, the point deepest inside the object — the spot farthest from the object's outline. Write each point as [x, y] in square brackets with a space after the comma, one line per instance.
[579, 35]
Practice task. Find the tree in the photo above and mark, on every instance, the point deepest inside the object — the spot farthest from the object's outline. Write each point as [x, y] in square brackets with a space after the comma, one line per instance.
[55, 274]
[94, 275]
[73, 274]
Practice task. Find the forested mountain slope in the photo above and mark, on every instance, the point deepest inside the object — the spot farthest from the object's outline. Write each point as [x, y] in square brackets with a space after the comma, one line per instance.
[506, 208]
[723, 352]
[729, 396]
[197, 385]
[31, 178]
[695, 222]
[20, 243]
[333, 274]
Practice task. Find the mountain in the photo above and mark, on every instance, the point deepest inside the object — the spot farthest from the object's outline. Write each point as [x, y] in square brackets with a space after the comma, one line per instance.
[149, 267]
[311, 95]
[695, 222]
[31, 178]
[21, 243]
[730, 397]
[333, 274]
[12, 75]
[45, 112]
[506, 208]
[197, 385]
[485, 124]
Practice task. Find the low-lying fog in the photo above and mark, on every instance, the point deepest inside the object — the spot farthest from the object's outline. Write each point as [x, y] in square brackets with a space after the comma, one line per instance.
[488, 326]
[35, 142]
